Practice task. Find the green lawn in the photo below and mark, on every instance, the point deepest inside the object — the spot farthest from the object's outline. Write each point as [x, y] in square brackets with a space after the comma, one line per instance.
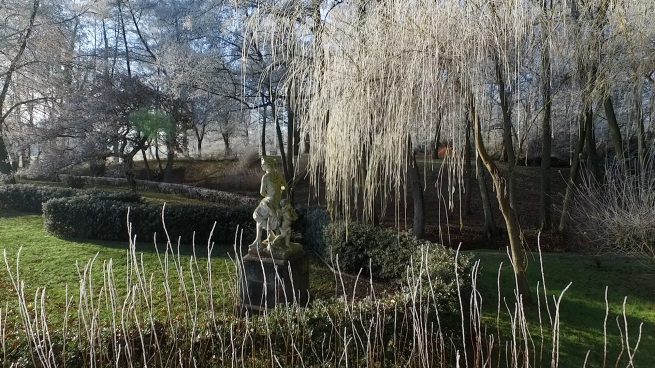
[583, 305]
[53, 263]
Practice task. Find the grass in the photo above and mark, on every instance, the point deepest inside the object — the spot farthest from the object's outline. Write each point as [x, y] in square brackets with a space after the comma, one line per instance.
[53, 263]
[583, 305]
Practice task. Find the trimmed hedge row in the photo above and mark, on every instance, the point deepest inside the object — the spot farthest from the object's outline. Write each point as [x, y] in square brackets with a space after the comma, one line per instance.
[87, 217]
[203, 194]
[30, 198]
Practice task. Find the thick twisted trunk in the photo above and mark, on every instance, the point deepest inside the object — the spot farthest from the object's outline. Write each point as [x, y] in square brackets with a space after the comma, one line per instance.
[500, 182]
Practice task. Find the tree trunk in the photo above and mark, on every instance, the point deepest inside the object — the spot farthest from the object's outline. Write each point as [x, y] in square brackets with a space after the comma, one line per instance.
[159, 164]
[592, 155]
[105, 53]
[641, 133]
[199, 146]
[586, 118]
[129, 172]
[291, 137]
[467, 170]
[99, 166]
[292, 144]
[489, 223]
[127, 50]
[168, 170]
[25, 157]
[171, 137]
[500, 182]
[613, 126]
[436, 140]
[146, 164]
[573, 176]
[5, 167]
[545, 194]
[226, 142]
[262, 143]
[418, 227]
[507, 134]
[14, 163]
[280, 143]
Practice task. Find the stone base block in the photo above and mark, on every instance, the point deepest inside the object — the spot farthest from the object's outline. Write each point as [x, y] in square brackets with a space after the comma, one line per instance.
[268, 282]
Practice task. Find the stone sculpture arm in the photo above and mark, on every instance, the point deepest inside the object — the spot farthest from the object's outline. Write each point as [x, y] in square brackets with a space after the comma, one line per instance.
[262, 188]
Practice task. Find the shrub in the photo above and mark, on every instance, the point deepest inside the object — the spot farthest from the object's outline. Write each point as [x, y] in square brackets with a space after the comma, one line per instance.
[7, 179]
[617, 215]
[249, 159]
[383, 254]
[29, 198]
[72, 181]
[128, 197]
[354, 244]
[311, 224]
[203, 194]
[433, 274]
[89, 217]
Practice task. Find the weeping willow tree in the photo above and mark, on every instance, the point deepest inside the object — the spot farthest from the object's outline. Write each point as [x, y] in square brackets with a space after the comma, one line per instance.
[376, 75]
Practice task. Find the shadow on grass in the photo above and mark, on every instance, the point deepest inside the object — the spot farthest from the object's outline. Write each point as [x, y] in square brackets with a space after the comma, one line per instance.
[221, 250]
[7, 213]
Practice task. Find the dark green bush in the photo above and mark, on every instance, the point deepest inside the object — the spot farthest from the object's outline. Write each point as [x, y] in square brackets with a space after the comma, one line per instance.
[129, 197]
[72, 181]
[353, 245]
[425, 270]
[381, 253]
[7, 179]
[433, 276]
[88, 217]
[203, 194]
[311, 224]
[29, 198]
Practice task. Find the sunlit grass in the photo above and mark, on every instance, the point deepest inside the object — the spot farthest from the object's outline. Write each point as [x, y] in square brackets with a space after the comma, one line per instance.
[583, 305]
[52, 263]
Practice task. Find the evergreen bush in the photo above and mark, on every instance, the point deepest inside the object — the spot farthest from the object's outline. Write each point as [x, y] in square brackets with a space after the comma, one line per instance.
[311, 224]
[105, 218]
[29, 198]
[72, 181]
[383, 254]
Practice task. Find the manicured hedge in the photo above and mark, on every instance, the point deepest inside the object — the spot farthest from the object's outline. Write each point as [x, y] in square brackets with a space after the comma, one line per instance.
[29, 198]
[71, 181]
[86, 217]
[203, 194]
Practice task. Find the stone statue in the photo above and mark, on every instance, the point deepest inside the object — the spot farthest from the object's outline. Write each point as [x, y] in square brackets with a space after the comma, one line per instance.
[273, 215]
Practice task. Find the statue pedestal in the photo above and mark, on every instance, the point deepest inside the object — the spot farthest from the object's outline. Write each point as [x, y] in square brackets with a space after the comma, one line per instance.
[267, 282]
